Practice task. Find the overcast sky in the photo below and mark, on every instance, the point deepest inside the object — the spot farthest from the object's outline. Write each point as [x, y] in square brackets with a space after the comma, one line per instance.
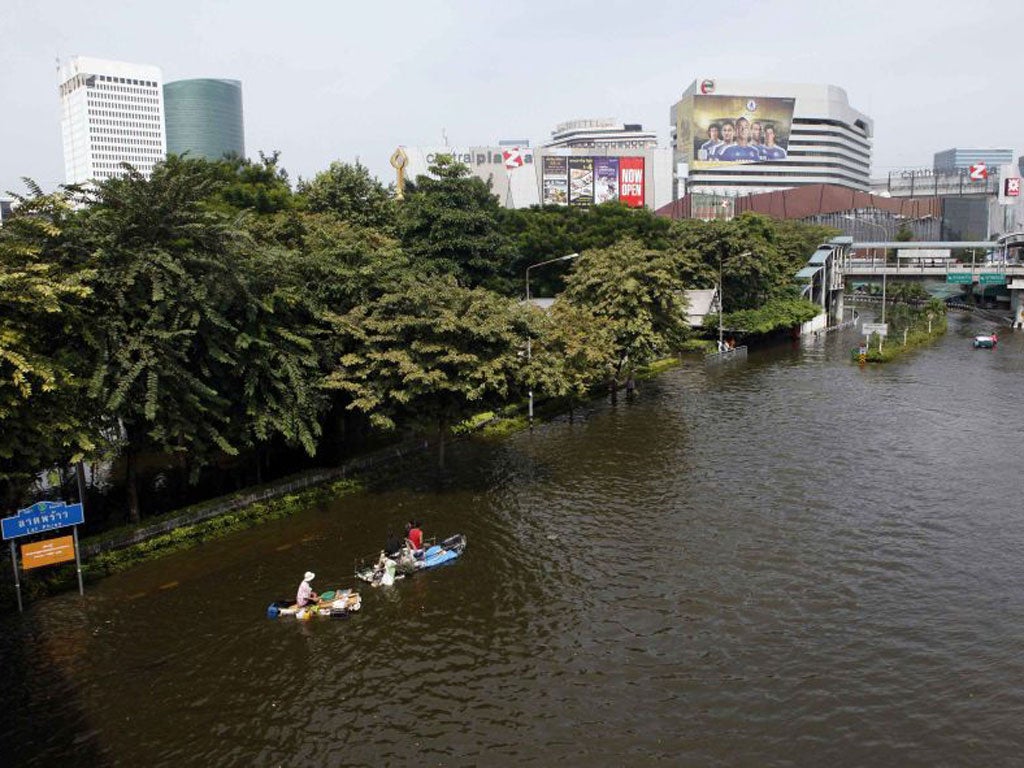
[345, 79]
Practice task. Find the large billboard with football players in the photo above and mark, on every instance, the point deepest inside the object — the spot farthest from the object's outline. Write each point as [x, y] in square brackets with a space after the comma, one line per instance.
[723, 130]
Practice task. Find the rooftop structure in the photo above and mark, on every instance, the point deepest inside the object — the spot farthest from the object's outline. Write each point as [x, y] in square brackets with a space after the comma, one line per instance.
[602, 132]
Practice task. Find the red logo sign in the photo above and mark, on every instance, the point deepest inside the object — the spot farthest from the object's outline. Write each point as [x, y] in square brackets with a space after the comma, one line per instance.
[1011, 187]
[978, 172]
[707, 86]
[513, 158]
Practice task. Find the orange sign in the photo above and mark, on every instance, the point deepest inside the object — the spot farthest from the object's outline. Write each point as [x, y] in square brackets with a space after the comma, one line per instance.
[40, 553]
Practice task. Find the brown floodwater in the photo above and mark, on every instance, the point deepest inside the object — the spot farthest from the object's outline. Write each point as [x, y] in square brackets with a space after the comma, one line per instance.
[787, 561]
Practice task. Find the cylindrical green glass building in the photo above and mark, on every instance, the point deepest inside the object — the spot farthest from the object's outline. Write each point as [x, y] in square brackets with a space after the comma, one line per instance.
[204, 118]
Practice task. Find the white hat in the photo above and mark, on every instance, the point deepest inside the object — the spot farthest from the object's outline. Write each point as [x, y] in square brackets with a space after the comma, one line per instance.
[309, 576]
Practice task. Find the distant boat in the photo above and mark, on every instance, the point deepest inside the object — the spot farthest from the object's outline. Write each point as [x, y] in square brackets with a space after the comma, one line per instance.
[986, 342]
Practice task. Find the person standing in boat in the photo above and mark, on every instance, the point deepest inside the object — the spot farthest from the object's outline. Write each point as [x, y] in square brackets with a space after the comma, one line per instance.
[306, 595]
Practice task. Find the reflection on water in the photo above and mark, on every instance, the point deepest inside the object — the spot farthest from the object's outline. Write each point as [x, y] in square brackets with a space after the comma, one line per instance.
[790, 561]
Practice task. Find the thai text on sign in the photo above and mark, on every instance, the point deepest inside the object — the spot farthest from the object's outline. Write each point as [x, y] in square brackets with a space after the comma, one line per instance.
[48, 552]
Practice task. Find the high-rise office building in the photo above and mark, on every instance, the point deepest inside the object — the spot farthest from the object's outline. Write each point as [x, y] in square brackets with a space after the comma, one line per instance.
[742, 137]
[204, 118]
[111, 113]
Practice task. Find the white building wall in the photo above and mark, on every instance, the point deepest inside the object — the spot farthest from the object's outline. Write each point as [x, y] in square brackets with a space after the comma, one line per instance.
[830, 142]
[111, 112]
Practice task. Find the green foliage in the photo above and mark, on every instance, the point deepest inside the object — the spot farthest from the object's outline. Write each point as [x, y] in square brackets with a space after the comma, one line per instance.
[539, 233]
[429, 353]
[239, 184]
[636, 293]
[573, 351]
[42, 418]
[350, 192]
[922, 326]
[758, 256]
[777, 314]
[449, 223]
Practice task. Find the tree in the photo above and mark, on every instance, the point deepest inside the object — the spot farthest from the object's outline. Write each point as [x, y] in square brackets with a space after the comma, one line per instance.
[431, 352]
[746, 250]
[42, 418]
[904, 234]
[449, 222]
[573, 352]
[638, 294]
[239, 184]
[350, 192]
[164, 329]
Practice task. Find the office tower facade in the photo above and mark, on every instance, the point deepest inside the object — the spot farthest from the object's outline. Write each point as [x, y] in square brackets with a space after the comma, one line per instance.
[204, 118]
[111, 113]
[740, 137]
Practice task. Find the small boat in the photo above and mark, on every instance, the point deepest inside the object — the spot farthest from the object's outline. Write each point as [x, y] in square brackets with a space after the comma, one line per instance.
[986, 342]
[429, 557]
[334, 603]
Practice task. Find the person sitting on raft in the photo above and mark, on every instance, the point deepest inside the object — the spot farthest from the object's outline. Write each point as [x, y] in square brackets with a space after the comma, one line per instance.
[384, 571]
[306, 595]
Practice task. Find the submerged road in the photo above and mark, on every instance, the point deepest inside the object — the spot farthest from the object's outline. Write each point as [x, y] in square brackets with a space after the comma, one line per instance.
[787, 561]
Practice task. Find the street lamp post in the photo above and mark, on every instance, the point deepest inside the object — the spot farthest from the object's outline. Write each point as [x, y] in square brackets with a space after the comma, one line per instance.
[885, 234]
[529, 346]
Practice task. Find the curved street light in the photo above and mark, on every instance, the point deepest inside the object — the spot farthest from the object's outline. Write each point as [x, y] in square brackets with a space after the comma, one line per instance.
[529, 348]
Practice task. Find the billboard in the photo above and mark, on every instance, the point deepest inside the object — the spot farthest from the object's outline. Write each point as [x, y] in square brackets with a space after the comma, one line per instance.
[582, 181]
[726, 130]
[556, 180]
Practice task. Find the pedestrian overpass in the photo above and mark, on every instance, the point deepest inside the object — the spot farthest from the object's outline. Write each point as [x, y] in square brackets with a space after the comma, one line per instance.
[841, 258]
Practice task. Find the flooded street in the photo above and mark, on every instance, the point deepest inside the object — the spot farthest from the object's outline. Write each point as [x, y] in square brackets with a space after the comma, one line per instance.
[786, 561]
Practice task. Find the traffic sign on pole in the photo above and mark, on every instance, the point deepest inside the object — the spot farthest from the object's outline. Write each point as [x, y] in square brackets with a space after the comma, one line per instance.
[962, 278]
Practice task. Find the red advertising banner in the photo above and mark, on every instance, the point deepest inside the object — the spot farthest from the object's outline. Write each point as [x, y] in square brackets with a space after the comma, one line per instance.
[631, 181]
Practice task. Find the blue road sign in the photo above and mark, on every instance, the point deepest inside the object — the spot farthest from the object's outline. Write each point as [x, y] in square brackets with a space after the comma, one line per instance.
[42, 516]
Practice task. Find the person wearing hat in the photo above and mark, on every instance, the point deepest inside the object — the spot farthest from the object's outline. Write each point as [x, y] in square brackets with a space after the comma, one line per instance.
[306, 595]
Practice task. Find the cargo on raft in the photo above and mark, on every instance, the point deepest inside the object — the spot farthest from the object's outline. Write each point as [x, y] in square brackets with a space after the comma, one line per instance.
[333, 603]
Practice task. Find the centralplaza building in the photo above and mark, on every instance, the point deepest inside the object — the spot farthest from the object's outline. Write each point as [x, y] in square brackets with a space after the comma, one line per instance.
[112, 112]
[587, 162]
[732, 138]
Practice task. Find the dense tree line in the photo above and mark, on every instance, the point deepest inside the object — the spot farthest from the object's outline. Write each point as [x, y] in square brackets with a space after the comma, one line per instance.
[211, 315]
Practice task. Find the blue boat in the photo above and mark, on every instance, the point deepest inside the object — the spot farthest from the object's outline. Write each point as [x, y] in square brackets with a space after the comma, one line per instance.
[430, 557]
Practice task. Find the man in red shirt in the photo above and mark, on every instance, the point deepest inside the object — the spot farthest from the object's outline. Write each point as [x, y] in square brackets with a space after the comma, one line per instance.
[414, 534]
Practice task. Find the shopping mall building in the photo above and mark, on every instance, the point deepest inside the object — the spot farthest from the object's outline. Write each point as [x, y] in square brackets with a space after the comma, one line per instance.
[586, 162]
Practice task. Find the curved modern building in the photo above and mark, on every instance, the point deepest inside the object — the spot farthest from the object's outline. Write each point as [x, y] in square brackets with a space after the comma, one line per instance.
[204, 118]
[742, 137]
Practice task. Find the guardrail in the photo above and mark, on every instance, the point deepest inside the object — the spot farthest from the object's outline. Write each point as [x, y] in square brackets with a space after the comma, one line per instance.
[275, 490]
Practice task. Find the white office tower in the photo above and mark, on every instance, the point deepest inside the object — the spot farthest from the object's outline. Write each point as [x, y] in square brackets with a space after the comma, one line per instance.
[743, 137]
[112, 112]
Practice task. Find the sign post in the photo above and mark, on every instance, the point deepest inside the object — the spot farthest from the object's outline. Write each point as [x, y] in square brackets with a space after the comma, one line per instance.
[882, 329]
[44, 516]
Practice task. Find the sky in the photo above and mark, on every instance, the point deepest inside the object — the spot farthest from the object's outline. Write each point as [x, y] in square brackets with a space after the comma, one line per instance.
[346, 80]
